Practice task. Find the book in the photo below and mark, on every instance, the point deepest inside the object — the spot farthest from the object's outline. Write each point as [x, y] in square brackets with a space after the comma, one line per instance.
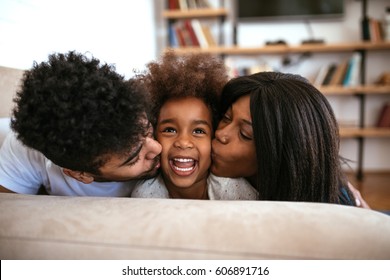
[173, 40]
[204, 4]
[209, 37]
[173, 4]
[347, 75]
[384, 116]
[376, 33]
[355, 71]
[191, 32]
[329, 74]
[186, 36]
[183, 5]
[179, 35]
[197, 27]
[339, 74]
[373, 31]
[321, 75]
[366, 29]
[192, 4]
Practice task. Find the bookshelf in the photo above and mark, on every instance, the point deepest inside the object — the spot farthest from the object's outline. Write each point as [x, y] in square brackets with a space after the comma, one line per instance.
[361, 92]
[195, 13]
[285, 49]
[191, 20]
[364, 132]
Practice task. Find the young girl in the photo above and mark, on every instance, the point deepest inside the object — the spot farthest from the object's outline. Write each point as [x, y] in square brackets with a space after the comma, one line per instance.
[185, 95]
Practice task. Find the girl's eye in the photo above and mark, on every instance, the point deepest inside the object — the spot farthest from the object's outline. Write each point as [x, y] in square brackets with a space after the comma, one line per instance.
[168, 130]
[199, 131]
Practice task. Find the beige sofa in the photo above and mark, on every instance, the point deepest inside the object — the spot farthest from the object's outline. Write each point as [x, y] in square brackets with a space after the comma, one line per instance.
[50, 227]
[9, 83]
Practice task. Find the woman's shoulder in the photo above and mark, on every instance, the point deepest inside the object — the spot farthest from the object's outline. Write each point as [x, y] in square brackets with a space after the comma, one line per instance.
[224, 188]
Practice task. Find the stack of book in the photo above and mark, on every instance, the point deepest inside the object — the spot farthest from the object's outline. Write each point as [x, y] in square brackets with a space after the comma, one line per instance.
[384, 116]
[188, 4]
[347, 73]
[372, 30]
[190, 33]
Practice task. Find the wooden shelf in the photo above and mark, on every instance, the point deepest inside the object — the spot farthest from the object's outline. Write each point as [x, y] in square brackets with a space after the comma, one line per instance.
[280, 49]
[346, 132]
[195, 13]
[366, 90]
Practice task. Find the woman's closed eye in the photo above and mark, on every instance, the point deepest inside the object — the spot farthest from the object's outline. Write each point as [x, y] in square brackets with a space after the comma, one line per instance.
[246, 136]
[226, 118]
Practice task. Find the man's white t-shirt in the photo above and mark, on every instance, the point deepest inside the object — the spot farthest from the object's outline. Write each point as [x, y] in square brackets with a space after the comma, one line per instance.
[218, 188]
[25, 170]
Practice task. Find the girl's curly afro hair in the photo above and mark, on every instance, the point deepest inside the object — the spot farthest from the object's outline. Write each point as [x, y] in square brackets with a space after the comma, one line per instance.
[192, 75]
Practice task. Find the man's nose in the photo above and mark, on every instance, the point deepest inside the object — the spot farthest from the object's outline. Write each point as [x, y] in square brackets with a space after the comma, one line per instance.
[154, 148]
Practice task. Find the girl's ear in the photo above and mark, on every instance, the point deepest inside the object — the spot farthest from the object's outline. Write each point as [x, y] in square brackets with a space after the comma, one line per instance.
[83, 177]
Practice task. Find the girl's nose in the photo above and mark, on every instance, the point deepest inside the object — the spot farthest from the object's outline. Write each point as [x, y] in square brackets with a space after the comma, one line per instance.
[184, 142]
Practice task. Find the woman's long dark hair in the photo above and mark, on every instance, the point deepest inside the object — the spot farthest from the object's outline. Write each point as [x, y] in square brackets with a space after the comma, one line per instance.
[296, 137]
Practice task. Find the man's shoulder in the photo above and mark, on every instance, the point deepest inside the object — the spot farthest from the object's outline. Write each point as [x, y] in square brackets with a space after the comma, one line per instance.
[13, 147]
[21, 169]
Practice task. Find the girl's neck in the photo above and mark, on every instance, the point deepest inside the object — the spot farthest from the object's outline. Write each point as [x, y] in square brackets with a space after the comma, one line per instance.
[196, 191]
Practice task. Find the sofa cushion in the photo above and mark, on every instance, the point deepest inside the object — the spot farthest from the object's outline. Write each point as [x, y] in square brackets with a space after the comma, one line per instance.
[50, 227]
[10, 79]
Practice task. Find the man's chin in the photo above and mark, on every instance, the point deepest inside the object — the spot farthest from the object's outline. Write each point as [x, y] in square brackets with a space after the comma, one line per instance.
[153, 172]
[149, 175]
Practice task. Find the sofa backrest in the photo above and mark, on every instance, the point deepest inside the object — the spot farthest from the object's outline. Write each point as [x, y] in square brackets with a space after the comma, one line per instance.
[9, 82]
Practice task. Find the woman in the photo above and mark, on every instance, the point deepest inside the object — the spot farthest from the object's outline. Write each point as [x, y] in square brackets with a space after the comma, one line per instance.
[280, 133]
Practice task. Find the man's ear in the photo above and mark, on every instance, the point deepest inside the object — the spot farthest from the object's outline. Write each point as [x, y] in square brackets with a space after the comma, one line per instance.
[83, 177]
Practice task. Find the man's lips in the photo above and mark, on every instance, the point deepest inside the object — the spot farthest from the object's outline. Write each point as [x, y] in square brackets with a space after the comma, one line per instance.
[156, 164]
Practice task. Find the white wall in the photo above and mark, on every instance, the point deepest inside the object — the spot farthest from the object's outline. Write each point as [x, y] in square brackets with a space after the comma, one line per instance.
[119, 32]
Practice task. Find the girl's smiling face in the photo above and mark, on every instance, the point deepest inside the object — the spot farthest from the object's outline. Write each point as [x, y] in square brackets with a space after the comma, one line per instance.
[184, 129]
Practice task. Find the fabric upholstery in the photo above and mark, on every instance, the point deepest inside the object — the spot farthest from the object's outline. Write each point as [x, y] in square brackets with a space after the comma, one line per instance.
[50, 227]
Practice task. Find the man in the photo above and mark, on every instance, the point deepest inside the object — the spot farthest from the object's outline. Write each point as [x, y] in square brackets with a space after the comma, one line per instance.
[79, 129]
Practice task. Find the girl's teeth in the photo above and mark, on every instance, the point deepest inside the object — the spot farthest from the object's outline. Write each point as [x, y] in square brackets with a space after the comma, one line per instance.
[183, 159]
[183, 169]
